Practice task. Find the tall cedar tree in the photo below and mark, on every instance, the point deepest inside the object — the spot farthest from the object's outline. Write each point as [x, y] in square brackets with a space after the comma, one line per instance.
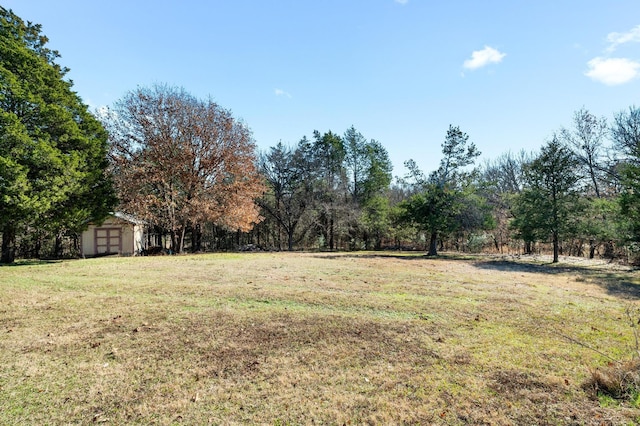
[549, 205]
[52, 150]
[179, 162]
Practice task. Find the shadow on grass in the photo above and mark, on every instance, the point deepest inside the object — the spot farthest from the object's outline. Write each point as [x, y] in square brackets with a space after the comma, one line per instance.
[29, 263]
[399, 255]
[619, 283]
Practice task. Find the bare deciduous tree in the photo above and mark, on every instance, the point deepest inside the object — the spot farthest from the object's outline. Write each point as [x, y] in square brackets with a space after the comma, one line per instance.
[586, 139]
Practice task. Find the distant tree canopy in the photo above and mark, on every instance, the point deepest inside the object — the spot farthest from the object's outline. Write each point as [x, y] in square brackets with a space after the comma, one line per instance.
[52, 150]
[179, 162]
[327, 189]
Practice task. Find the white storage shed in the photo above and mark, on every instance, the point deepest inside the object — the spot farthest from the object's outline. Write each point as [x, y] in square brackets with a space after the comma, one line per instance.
[119, 234]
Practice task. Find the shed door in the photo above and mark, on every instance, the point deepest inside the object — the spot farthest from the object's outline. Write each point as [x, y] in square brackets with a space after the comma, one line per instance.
[108, 240]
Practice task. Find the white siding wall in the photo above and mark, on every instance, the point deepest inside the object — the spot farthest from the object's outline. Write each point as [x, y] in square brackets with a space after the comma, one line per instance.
[131, 238]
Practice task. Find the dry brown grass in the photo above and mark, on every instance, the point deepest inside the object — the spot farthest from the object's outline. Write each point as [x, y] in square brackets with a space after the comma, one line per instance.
[304, 338]
[620, 380]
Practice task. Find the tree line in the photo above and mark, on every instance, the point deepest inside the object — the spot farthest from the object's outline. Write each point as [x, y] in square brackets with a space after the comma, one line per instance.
[192, 172]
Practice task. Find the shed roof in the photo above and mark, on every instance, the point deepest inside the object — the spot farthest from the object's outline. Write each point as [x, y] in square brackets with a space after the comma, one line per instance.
[128, 218]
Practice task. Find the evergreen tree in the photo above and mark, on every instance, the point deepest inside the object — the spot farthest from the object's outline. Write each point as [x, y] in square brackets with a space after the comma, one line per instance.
[52, 150]
[550, 205]
[328, 157]
[625, 133]
[440, 204]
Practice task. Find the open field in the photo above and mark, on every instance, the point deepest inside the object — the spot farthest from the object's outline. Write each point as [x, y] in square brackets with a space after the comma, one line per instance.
[304, 338]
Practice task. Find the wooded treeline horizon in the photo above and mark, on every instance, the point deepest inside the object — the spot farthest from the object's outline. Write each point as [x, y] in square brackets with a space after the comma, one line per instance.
[192, 171]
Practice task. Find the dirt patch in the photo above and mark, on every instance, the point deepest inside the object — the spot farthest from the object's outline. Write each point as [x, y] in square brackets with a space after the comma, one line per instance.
[514, 383]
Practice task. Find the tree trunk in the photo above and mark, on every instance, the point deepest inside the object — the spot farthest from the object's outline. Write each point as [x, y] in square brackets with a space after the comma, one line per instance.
[556, 247]
[76, 244]
[57, 249]
[433, 244]
[176, 240]
[331, 233]
[8, 245]
[196, 239]
[37, 246]
[183, 231]
[290, 240]
[592, 249]
[609, 250]
[279, 236]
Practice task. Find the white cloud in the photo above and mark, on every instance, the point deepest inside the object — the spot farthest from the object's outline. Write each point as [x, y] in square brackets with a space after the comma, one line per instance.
[280, 92]
[402, 1]
[613, 71]
[484, 57]
[616, 39]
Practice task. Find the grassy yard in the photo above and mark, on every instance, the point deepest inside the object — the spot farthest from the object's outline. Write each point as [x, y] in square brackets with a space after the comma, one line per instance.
[304, 338]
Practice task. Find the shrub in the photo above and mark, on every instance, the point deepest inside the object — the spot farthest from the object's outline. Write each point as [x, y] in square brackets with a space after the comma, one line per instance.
[617, 380]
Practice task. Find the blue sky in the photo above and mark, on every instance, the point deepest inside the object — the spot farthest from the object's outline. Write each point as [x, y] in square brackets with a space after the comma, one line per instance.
[507, 72]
